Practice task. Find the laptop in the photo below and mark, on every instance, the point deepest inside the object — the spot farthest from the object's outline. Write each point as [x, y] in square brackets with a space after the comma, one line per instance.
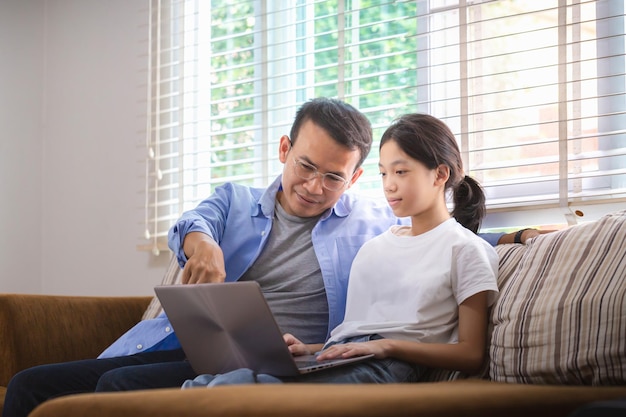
[227, 326]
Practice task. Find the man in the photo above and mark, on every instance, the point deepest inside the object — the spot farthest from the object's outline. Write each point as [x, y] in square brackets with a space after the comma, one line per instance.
[297, 238]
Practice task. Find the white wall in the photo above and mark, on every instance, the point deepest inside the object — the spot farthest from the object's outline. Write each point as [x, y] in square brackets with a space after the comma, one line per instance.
[72, 115]
[21, 89]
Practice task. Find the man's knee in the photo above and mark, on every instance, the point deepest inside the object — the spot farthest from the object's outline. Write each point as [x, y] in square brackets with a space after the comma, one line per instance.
[25, 391]
[146, 376]
[127, 378]
[26, 381]
[110, 381]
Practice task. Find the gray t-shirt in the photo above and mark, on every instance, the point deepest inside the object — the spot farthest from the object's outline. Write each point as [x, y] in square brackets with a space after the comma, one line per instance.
[289, 275]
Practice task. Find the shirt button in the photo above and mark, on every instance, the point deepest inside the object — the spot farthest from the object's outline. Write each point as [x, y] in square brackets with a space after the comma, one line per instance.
[139, 346]
[167, 329]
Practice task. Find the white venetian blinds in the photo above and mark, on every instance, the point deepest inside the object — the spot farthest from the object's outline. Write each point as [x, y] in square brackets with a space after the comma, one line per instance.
[533, 90]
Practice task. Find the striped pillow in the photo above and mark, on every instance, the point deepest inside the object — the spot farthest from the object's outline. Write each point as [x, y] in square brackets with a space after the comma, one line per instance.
[172, 276]
[509, 256]
[561, 316]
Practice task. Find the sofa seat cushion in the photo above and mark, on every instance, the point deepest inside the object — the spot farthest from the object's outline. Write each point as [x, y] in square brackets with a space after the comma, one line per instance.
[561, 314]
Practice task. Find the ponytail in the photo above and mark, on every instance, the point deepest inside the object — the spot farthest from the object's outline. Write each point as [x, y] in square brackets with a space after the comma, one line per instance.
[469, 203]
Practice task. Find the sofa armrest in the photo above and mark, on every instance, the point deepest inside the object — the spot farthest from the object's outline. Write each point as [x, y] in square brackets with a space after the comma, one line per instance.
[38, 329]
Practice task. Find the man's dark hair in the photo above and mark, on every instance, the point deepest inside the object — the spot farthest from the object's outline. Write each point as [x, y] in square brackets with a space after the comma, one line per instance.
[345, 124]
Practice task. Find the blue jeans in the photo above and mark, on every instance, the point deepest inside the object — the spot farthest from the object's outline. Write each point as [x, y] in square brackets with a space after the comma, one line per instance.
[372, 371]
[608, 408]
[32, 386]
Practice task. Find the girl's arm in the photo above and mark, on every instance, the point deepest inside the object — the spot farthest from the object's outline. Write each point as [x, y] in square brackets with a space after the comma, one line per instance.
[467, 355]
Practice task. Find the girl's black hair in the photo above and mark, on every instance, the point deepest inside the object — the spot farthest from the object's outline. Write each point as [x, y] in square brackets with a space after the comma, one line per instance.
[431, 142]
[469, 203]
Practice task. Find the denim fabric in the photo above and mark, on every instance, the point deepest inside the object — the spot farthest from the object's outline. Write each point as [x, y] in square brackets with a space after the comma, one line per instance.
[240, 219]
[608, 408]
[237, 377]
[372, 371]
[33, 386]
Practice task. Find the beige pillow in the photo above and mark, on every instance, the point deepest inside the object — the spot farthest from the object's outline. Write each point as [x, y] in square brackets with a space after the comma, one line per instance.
[172, 276]
[561, 315]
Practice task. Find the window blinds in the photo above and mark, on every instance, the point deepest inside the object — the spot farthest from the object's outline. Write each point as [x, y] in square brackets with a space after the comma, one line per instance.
[534, 92]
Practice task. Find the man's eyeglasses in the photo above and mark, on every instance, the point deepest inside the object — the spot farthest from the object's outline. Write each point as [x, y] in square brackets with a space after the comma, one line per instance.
[330, 181]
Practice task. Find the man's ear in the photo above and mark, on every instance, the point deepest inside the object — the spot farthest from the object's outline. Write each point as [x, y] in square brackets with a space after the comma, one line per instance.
[442, 175]
[355, 176]
[283, 148]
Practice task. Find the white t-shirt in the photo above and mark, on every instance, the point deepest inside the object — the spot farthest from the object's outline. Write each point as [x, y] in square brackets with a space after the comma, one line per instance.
[410, 287]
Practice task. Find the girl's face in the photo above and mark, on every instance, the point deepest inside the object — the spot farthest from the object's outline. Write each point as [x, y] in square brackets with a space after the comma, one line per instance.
[410, 187]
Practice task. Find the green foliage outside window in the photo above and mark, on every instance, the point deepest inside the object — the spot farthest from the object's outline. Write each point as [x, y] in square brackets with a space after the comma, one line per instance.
[378, 59]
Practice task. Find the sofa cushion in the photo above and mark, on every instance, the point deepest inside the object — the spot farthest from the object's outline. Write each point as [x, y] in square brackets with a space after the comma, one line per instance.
[172, 276]
[509, 256]
[561, 315]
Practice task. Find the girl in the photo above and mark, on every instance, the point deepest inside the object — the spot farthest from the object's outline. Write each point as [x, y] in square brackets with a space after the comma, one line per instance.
[418, 295]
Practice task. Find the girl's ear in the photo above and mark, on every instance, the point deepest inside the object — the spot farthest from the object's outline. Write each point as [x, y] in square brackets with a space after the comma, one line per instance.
[443, 174]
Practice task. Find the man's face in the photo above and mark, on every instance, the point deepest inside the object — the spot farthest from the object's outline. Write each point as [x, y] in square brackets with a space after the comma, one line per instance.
[314, 149]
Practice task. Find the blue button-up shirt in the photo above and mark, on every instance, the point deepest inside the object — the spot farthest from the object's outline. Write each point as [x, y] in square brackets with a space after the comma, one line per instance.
[240, 219]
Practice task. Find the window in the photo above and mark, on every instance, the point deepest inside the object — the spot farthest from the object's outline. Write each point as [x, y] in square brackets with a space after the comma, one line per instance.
[534, 92]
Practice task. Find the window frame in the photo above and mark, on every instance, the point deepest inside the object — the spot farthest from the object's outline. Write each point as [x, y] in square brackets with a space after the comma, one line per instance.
[185, 127]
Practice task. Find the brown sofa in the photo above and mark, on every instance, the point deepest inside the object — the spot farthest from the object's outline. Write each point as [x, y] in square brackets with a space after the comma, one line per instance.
[557, 342]
[39, 329]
